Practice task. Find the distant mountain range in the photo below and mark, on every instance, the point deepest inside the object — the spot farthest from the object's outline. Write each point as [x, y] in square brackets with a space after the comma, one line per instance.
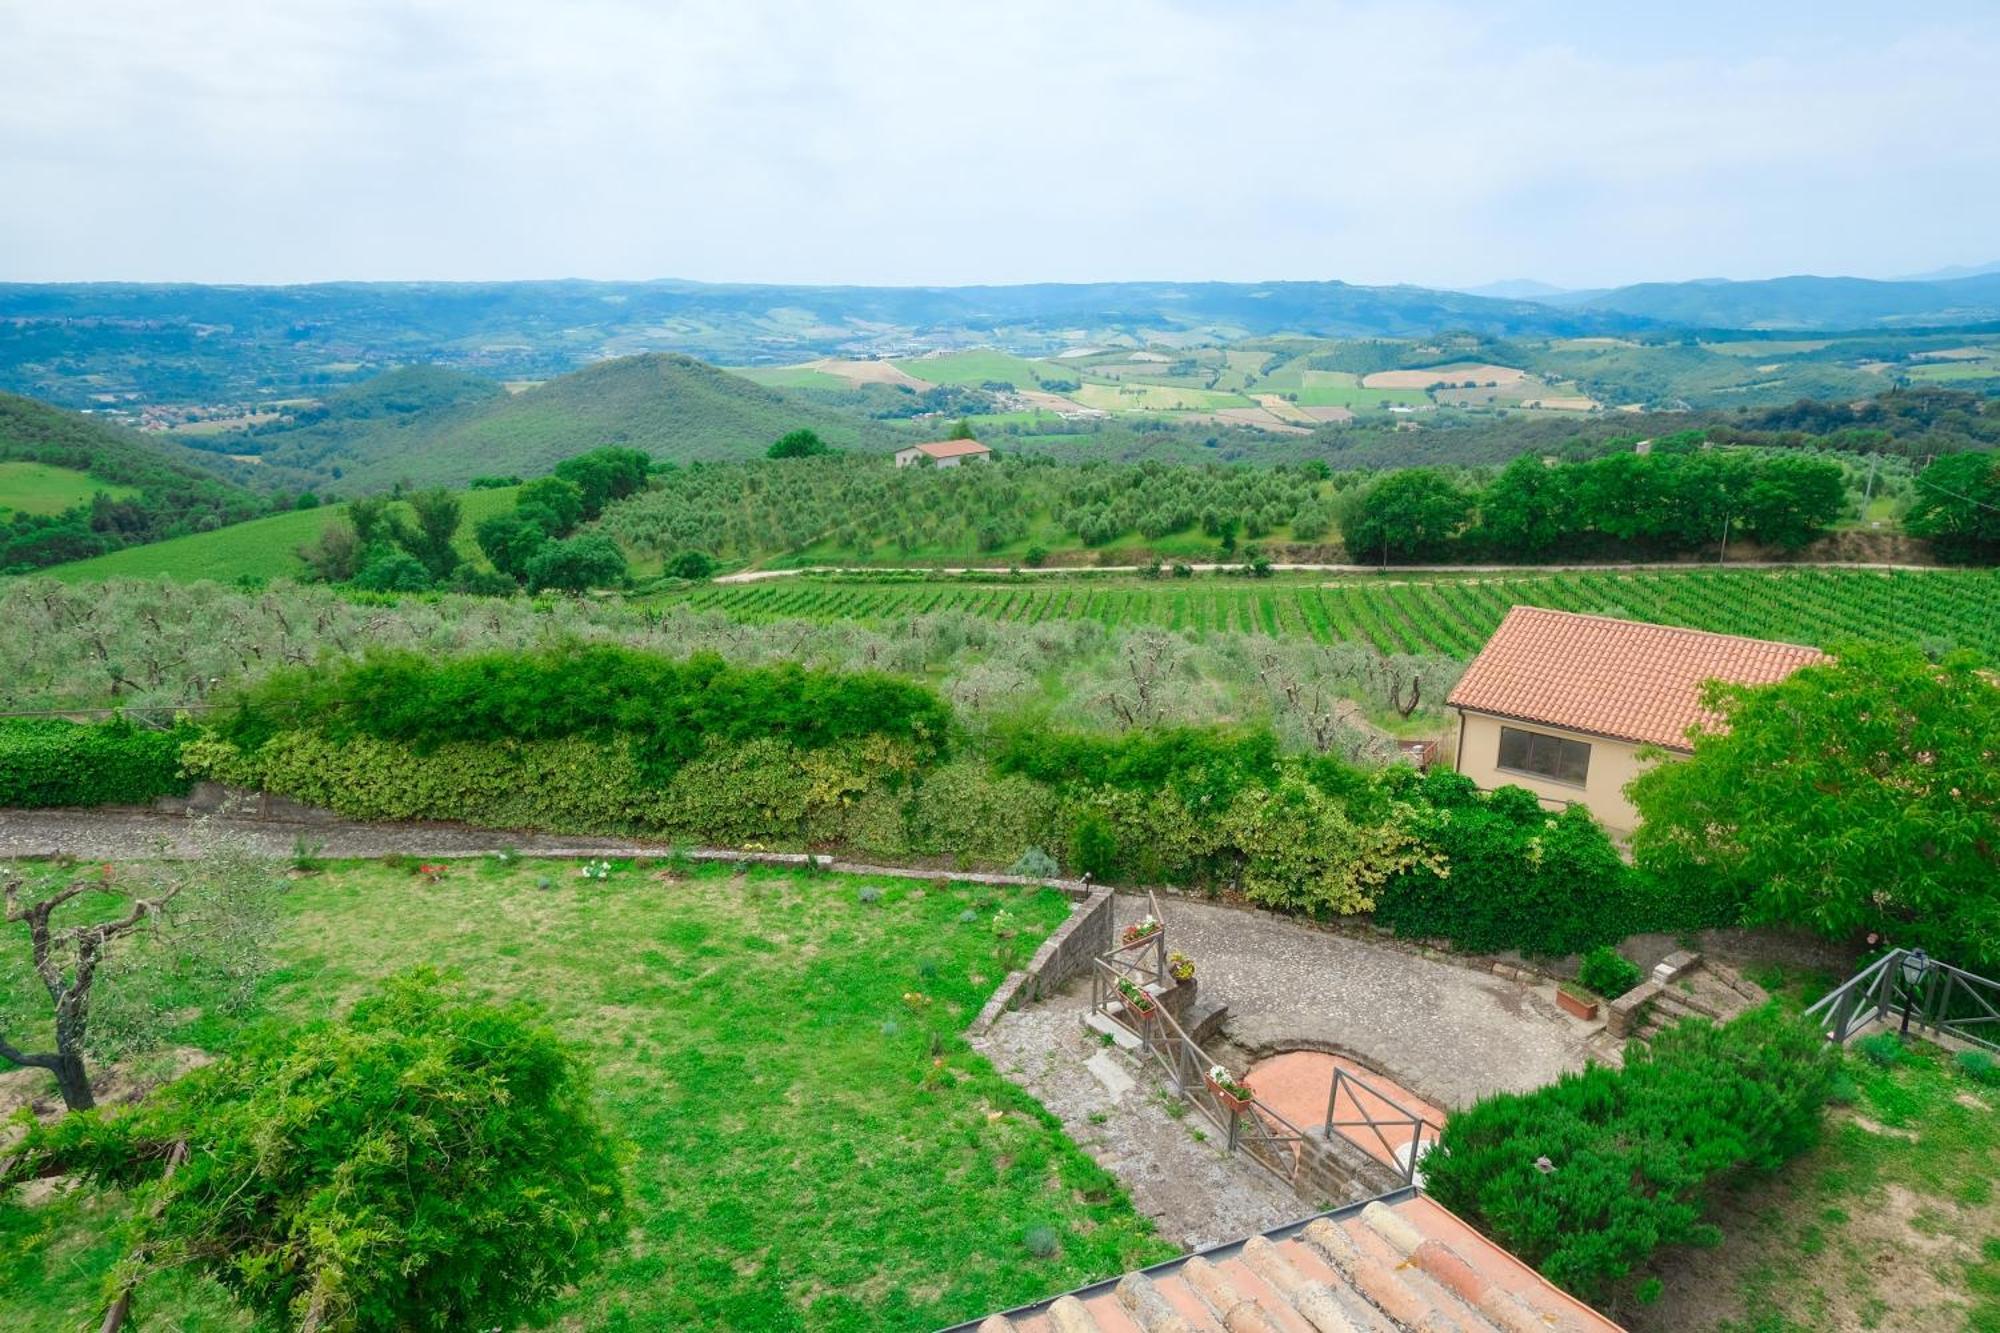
[86, 344]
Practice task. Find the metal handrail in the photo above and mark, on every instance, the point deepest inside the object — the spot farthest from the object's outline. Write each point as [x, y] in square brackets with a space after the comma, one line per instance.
[1376, 1124]
[1928, 993]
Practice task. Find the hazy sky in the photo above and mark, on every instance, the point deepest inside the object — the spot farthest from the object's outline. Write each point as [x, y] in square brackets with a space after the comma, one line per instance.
[951, 142]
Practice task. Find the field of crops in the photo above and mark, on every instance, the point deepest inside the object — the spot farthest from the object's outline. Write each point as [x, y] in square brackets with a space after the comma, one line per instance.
[1453, 616]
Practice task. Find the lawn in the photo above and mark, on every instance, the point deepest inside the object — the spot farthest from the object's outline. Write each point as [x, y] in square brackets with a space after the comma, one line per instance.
[39, 488]
[263, 548]
[1891, 1223]
[815, 1147]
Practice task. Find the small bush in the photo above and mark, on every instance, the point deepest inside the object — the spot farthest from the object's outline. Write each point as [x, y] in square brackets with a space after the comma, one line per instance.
[1093, 846]
[1979, 1066]
[1881, 1049]
[1608, 973]
[1035, 864]
[50, 762]
[1042, 1242]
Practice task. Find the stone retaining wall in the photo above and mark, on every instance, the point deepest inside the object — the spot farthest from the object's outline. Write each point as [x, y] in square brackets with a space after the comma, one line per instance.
[1334, 1171]
[1065, 953]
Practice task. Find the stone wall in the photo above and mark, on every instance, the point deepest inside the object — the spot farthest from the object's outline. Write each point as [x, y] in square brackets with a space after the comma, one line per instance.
[1331, 1169]
[1068, 951]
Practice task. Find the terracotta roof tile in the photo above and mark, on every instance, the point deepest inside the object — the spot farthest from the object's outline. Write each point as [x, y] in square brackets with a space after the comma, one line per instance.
[1617, 678]
[951, 448]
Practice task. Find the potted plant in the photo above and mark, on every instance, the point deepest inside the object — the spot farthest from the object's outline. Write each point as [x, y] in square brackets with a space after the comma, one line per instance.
[1231, 1091]
[1576, 1001]
[1144, 928]
[1138, 1001]
[1180, 967]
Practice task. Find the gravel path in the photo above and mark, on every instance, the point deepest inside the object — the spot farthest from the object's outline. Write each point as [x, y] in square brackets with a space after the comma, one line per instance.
[1447, 1033]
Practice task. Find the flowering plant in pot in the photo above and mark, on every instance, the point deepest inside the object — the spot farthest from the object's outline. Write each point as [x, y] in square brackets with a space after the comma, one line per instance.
[1144, 928]
[1137, 1000]
[1231, 1091]
[1180, 967]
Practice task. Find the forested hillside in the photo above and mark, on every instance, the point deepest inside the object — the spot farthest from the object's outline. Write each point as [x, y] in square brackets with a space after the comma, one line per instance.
[430, 426]
[114, 488]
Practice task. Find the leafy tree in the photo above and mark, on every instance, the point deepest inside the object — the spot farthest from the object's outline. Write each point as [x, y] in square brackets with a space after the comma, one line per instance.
[306, 500]
[1528, 510]
[391, 570]
[1791, 500]
[430, 541]
[369, 516]
[961, 430]
[1857, 795]
[577, 564]
[336, 556]
[510, 540]
[690, 565]
[430, 1162]
[1414, 514]
[604, 475]
[798, 444]
[553, 502]
[1958, 506]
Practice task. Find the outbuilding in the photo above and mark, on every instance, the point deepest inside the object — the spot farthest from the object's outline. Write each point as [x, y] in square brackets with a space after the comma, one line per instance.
[944, 453]
[1563, 704]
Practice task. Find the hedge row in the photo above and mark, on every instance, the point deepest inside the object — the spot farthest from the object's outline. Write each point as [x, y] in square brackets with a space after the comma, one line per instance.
[1587, 1176]
[51, 762]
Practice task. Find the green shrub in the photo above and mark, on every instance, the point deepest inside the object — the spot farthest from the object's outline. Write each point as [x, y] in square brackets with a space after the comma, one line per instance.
[1634, 1154]
[51, 762]
[1093, 847]
[1495, 871]
[429, 1162]
[1035, 864]
[1979, 1066]
[1608, 973]
[670, 710]
[1881, 1049]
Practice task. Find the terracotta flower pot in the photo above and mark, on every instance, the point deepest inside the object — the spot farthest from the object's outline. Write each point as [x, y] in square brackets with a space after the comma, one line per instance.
[1234, 1103]
[1576, 1005]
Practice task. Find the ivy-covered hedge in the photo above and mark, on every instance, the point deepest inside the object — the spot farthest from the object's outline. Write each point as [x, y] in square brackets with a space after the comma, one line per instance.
[1496, 871]
[50, 762]
[1634, 1154]
[668, 710]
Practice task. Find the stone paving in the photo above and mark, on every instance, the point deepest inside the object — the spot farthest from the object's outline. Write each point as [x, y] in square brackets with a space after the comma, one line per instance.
[93, 835]
[1448, 1033]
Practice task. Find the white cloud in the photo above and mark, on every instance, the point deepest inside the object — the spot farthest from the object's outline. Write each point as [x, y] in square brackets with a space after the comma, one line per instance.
[905, 142]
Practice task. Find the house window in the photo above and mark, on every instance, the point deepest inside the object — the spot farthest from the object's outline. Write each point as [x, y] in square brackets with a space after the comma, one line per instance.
[1554, 757]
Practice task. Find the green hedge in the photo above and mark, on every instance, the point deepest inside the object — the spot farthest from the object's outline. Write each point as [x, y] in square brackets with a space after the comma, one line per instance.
[48, 762]
[669, 711]
[1634, 1154]
[1496, 871]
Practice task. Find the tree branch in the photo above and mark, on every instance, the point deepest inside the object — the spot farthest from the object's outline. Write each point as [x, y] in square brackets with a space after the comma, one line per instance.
[25, 1059]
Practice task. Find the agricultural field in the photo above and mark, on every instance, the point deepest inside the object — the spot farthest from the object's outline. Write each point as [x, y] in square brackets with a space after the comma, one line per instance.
[814, 1146]
[262, 548]
[1448, 615]
[39, 488]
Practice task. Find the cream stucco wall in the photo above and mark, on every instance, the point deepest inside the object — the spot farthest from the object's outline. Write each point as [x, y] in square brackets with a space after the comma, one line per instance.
[1612, 765]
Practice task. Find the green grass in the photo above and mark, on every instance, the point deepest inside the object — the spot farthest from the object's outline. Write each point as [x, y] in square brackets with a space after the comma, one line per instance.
[39, 488]
[1413, 613]
[790, 377]
[977, 367]
[1891, 1223]
[800, 1161]
[263, 548]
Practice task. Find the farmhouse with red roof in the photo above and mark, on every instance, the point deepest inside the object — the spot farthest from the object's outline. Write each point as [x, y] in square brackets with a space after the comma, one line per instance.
[1561, 703]
[944, 453]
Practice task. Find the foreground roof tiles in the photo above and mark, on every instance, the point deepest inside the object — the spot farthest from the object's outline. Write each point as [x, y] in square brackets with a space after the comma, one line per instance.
[1617, 678]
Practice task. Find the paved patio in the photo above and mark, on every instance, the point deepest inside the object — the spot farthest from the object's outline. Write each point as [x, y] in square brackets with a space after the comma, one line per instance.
[1447, 1033]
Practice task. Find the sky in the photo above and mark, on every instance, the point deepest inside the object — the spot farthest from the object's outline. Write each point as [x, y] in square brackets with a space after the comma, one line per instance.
[950, 142]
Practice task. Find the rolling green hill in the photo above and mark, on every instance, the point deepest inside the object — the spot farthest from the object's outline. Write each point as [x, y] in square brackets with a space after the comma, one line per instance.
[263, 548]
[672, 407]
[39, 488]
[84, 487]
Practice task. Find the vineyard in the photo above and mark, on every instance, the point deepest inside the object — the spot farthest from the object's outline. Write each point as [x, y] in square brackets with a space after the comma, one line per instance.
[1451, 616]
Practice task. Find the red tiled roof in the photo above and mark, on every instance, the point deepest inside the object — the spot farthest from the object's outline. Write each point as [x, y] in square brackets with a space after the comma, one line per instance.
[1617, 678]
[951, 448]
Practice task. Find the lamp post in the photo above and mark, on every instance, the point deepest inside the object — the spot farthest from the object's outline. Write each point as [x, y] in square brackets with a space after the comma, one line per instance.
[1916, 964]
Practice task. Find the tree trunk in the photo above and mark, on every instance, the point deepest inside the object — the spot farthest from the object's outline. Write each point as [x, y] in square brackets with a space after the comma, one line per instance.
[74, 1082]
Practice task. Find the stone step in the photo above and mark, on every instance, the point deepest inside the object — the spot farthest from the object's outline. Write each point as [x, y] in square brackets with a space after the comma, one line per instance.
[1124, 1040]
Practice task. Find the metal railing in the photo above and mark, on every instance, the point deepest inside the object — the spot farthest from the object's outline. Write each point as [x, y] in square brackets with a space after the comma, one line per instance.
[1919, 991]
[1360, 1093]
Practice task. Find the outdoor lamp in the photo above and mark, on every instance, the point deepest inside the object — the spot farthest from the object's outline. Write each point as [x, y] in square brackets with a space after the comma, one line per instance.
[1915, 964]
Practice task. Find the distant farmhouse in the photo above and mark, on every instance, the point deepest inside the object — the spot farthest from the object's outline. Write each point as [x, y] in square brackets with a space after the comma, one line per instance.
[944, 453]
[1562, 703]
